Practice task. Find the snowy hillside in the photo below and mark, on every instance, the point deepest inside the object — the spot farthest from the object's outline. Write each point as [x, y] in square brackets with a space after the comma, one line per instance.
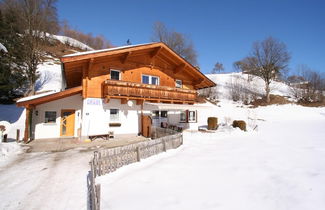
[70, 42]
[50, 80]
[251, 85]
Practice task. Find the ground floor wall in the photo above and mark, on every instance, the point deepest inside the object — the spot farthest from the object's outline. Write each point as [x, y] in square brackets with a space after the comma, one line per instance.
[100, 117]
[42, 129]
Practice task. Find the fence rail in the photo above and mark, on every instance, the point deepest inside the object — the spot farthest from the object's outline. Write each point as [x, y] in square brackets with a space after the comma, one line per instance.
[109, 160]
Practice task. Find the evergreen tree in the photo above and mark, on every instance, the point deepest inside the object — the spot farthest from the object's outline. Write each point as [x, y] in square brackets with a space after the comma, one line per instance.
[12, 63]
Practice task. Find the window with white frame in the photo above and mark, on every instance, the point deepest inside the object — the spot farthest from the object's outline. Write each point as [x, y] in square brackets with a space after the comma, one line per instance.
[191, 116]
[115, 74]
[188, 116]
[183, 117]
[50, 117]
[114, 115]
[151, 80]
[178, 83]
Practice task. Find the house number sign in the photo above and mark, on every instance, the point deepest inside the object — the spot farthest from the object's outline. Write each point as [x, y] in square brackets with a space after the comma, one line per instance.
[94, 101]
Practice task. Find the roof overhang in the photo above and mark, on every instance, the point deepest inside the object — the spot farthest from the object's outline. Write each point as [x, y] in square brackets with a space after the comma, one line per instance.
[35, 100]
[76, 62]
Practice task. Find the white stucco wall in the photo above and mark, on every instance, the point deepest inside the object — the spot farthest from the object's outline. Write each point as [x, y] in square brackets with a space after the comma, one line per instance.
[202, 116]
[96, 117]
[42, 130]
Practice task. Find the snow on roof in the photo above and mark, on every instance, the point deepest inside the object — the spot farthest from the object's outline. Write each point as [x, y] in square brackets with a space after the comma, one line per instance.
[2, 47]
[106, 50]
[28, 98]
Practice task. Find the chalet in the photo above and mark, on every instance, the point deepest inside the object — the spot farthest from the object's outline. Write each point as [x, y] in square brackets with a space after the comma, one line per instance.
[117, 90]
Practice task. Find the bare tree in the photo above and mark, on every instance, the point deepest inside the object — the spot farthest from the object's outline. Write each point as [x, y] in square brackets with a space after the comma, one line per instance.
[96, 42]
[268, 59]
[311, 88]
[176, 41]
[36, 18]
[218, 67]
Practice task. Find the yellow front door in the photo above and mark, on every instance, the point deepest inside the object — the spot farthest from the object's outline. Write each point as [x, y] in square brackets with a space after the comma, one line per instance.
[67, 122]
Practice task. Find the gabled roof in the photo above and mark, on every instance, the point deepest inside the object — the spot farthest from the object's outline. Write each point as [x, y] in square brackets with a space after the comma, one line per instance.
[154, 49]
[50, 96]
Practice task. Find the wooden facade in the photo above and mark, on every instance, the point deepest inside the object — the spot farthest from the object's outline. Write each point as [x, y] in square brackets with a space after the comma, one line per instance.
[93, 72]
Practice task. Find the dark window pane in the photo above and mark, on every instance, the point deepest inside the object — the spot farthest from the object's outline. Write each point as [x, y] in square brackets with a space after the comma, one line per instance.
[145, 79]
[115, 75]
[154, 80]
[50, 117]
[163, 114]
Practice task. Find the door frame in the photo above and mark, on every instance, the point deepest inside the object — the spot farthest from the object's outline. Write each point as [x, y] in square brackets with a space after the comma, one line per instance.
[73, 124]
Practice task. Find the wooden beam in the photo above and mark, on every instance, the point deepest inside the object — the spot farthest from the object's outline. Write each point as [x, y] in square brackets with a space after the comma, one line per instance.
[52, 97]
[198, 81]
[106, 100]
[27, 124]
[124, 100]
[179, 68]
[156, 52]
[125, 57]
[90, 65]
[139, 102]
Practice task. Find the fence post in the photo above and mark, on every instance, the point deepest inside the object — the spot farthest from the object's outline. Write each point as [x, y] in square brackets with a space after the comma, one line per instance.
[164, 145]
[138, 154]
[97, 188]
[17, 135]
[92, 190]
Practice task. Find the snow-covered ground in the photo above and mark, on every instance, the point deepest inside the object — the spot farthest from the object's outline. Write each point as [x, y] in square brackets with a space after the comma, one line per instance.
[7, 150]
[279, 166]
[45, 181]
[251, 84]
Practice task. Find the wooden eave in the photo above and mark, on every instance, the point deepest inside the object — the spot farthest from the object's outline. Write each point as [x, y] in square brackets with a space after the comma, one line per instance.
[159, 49]
[52, 97]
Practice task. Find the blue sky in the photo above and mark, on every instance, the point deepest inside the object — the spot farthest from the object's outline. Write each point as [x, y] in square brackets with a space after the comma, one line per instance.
[221, 30]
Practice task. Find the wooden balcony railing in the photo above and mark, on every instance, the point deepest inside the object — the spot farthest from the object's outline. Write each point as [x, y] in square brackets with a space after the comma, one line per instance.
[114, 88]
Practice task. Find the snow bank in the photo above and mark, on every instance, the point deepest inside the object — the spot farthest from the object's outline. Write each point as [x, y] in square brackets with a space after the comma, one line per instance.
[13, 118]
[2, 47]
[9, 149]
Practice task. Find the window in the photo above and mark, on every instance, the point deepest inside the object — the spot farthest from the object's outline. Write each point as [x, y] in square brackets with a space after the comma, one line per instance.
[188, 116]
[115, 74]
[151, 80]
[191, 116]
[178, 83]
[183, 116]
[159, 114]
[114, 115]
[50, 117]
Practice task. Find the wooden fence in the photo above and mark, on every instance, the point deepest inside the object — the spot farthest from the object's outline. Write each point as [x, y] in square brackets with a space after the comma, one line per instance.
[109, 160]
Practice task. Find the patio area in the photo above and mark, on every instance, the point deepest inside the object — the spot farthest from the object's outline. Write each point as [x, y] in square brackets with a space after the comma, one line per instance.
[64, 144]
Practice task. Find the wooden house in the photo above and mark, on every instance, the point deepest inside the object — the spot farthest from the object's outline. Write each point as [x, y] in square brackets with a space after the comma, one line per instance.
[114, 90]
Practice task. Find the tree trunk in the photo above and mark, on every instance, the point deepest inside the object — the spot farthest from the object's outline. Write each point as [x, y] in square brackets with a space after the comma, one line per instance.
[267, 91]
[31, 89]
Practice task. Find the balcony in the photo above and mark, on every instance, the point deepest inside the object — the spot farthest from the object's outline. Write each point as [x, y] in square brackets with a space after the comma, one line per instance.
[155, 93]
